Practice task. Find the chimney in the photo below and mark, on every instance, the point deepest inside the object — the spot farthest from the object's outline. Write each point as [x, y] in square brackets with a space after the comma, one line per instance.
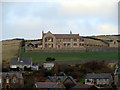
[64, 75]
[42, 33]
[70, 32]
[55, 76]
[18, 59]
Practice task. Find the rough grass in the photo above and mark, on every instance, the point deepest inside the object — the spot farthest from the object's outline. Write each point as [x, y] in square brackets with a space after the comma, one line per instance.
[62, 56]
[10, 49]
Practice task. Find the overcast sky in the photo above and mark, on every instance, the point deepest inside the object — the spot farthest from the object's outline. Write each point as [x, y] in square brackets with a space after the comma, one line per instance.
[86, 17]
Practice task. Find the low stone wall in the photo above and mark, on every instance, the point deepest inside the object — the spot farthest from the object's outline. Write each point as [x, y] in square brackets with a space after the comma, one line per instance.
[59, 50]
[93, 48]
[89, 48]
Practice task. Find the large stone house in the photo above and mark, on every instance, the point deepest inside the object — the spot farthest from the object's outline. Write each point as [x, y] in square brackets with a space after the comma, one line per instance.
[12, 80]
[99, 79]
[50, 40]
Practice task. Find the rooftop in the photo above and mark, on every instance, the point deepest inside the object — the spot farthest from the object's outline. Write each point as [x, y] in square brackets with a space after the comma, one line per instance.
[11, 74]
[45, 84]
[98, 75]
[21, 61]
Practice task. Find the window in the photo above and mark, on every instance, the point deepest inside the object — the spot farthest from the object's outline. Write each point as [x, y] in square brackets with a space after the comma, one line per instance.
[75, 39]
[14, 80]
[88, 80]
[45, 45]
[64, 44]
[68, 44]
[75, 44]
[98, 80]
[7, 80]
[45, 40]
[0, 80]
[105, 80]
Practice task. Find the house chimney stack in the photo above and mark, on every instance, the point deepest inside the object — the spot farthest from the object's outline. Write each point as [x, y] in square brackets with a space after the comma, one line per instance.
[42, 34]
[18, 59]
[64, 75]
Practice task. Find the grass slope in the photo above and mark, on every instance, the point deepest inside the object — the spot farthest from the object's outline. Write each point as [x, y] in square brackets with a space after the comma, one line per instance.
[61, 56]
[10, 49]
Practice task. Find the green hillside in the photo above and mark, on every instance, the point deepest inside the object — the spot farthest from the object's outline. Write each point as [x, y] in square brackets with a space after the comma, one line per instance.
[62, 56]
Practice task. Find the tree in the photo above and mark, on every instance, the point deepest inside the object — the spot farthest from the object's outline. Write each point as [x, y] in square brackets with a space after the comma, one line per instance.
[49, 73]
[95, 66]
[68, 71]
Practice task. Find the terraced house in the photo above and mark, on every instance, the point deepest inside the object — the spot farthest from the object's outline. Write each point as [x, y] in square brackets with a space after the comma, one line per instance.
[99, 79]
[50, 40]
[12, 80]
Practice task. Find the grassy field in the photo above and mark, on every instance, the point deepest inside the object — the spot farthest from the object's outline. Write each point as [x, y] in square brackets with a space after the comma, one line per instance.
[10, 49]
[61, 56]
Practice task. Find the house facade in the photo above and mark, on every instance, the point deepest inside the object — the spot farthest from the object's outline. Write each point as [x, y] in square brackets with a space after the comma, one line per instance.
[58, 41]
[12, 80]
[117, 77]
[99, 79]
[48, 65]
[0, 80]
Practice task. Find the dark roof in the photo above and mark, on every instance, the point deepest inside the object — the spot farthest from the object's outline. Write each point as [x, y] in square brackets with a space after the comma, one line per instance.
[11, 74]
[55, 78]
[82, 86]
[45, 84]
[98, 75]
[21, 61]
[34, 64]
[71, 78]
[117, 71]
[59, 36]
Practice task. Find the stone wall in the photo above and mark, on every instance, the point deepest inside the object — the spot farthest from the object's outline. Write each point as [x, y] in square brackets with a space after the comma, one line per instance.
[95, 48]
[59, 50]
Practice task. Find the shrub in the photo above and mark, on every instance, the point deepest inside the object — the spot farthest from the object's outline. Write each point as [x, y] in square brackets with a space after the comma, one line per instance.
[50, 59]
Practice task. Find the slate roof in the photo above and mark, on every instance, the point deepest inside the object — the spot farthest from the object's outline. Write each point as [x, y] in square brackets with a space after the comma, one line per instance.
[55, 78]
[21, 61]
[59, 36]
[11, 74]
[82, 86]
[117, 71]
[98, 75]
[71, 78]
[45, 84]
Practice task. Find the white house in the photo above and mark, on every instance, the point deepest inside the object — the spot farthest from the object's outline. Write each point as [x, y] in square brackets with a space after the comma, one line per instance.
[48, 65]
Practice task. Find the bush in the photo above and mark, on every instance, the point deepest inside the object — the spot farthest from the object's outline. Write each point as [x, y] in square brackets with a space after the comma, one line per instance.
[49, 73]
[50, 59]
[5, 69]
[68, 71]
